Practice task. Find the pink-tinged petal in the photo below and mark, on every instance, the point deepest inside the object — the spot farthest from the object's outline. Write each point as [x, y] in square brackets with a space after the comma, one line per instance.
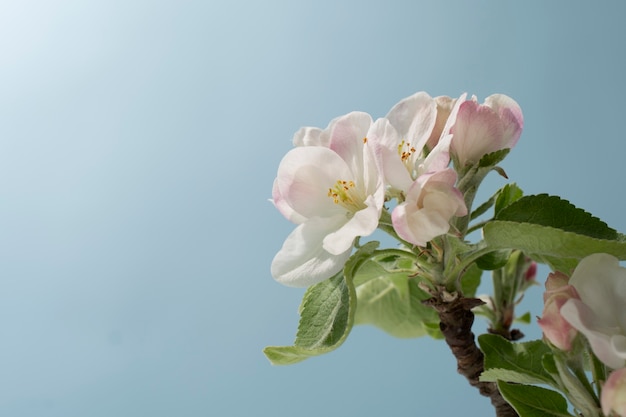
[304, 177]
[583, 319]
[439, 158]
[384, 140]
[511, 115]
[311, 136]
[447, 129]
[414, 118]
[284, 208]
[601, 283]
[372, 165]
[302, 261]
[430, 203]
[613, 398]
[477, 132]
[555, 327]
[418, 226]
[445, 105]
[347, 138]
[363, 223]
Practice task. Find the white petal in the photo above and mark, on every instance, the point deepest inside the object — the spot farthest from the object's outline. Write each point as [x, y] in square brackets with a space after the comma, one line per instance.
[583, 319]
[304, 176]
[346, 138]
[414, 118]
[363, 223]
[284, 208]
[310, 136]
[601, 284]
[302, 261]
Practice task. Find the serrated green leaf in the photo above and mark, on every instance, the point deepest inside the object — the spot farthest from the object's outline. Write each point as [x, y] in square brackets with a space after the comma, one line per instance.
[499, 374]
[484, 207]
[493, 158]
[552, 211]
[326, 318]
[507, 195]
[531, 401]
[326, 314]
[520, 362]
[391, 300]
[558, 248]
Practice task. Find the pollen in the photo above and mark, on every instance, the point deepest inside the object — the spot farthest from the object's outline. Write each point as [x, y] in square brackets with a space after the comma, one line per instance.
[405, 150]
[364, 140]
[347, 195]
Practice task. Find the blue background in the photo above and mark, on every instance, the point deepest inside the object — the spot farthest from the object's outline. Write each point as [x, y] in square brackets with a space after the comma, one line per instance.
[138, 145]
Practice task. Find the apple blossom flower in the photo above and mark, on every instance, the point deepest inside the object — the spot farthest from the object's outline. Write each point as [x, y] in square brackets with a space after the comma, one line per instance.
[480, 129]
[613, 398]
[599, 314]
[555, 328]
[334, 193]
[431, 201]
[420, 141]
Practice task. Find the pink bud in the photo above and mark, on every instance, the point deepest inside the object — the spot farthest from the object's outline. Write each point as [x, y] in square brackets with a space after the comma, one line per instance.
[480, 129]
[555, 328]
[614, 394]
[531, 272]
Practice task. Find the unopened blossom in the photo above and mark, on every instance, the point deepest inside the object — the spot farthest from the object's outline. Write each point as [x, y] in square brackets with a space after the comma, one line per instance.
[430, 202]
[555, 328]
[419, 140]
[613, 397]
[600, 313]
[480, 129]
[330, 185]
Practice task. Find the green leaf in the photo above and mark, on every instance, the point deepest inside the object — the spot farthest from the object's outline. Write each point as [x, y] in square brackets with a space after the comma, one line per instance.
[326, 317]
[484, 206]
[493, 260]
[552, 211]
[326, 314]
[531, 401]
[493, 158]
[507, 195]
[513, 362]
[558, 248]
[524, 318]
[389, 296]
[471, 280]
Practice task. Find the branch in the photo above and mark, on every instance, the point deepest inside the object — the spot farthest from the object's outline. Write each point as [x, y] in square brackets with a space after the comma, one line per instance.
[456, 319]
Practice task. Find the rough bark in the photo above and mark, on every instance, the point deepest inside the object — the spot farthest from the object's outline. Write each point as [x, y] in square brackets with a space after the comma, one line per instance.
[456, 319]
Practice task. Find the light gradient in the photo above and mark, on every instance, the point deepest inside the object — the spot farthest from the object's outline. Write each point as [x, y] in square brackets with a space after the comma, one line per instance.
[138, 145]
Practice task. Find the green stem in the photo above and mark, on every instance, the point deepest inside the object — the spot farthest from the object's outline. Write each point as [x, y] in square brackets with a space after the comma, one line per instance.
[477, 226]
[466, 262]
[598, 370]
[577, 387]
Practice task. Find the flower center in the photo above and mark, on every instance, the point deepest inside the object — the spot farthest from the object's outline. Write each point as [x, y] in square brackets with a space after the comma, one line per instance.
[346, 194]
[408, 155]
[405, 150]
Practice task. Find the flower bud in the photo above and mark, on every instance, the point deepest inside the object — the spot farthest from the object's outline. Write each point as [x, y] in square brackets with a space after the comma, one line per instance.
[614, 394]
[555, 328]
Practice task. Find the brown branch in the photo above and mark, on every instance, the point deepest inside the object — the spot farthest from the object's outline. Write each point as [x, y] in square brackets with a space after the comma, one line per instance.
[456, 319]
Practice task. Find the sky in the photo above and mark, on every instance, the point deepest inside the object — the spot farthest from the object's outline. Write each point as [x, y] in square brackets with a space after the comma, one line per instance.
[138, 145]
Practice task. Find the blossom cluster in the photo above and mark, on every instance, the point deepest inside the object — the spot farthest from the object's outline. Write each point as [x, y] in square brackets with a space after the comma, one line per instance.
[335, 182]
[592, 303]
